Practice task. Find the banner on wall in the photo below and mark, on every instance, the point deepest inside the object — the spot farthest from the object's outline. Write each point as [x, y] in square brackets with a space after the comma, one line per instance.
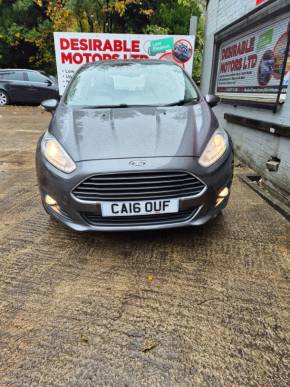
[75, 49]
[250, 65]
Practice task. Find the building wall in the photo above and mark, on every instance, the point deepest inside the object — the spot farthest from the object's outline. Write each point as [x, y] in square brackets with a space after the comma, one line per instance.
[252, 146]
[220, 13]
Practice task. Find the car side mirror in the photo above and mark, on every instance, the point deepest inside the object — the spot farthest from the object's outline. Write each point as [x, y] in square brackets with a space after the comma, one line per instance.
[212, 100]
[48, 82]
[49, 104]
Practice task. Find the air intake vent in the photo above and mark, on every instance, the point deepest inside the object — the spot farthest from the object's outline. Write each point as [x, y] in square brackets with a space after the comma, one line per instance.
[138, 186]
[98, 220]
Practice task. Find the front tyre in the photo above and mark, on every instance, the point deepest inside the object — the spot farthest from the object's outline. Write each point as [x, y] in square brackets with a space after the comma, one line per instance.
[4, 99]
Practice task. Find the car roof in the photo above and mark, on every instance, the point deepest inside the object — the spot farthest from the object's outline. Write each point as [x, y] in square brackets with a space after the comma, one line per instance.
[19, 70]
[120, 62]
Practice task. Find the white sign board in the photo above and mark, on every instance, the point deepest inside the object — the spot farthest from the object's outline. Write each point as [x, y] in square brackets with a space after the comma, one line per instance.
[73, 49]
[250, 65]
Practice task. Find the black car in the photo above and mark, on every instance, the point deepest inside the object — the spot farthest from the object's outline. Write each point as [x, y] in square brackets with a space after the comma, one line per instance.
[26, 86]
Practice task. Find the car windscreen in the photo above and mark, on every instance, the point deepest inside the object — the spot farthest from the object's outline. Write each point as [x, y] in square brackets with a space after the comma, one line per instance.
[130, 84]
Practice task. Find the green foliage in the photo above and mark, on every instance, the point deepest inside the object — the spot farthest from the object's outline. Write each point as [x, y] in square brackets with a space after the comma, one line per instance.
[154, 29]
[175, 15]
[24, 32]
[26, 26]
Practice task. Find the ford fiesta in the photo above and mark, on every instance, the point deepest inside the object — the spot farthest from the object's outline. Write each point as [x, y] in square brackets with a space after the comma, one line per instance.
[133, 145]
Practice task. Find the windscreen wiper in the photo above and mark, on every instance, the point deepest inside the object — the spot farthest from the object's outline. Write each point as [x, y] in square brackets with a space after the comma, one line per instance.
[182, 102]
[122, 105]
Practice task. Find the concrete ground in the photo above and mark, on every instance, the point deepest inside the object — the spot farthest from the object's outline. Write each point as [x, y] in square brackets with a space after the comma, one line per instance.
[207, 306]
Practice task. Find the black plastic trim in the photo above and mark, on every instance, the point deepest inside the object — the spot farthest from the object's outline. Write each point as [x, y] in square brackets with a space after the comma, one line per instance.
[263, 126]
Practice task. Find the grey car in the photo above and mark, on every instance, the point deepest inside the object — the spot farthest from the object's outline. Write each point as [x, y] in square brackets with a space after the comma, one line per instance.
[132, 145]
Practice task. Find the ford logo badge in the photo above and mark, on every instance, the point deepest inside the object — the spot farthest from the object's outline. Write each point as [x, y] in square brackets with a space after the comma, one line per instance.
[137, 163]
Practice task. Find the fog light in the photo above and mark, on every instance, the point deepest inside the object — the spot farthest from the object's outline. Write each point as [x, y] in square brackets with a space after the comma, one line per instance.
[56, 209]
[218, 201]
[50, 201]
[224, 193]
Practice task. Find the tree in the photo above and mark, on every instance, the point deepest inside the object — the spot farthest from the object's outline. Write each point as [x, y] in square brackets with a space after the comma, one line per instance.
[27, 26]
[17, 20]
[158, 17]
[173, 17]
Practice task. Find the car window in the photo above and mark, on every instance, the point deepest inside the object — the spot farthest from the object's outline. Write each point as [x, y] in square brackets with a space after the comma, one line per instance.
[130, 83]
[33, 76]
[11, 75]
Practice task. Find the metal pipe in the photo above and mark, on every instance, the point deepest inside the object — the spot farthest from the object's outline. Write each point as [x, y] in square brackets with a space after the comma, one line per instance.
[283, 71]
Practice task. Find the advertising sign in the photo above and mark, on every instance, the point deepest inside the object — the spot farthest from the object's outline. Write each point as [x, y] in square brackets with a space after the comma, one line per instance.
[250, 65]
[73, 49]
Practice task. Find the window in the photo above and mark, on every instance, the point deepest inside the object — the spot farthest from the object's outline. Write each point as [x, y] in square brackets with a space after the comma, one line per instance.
[12, 76]
[250, 64]
[34, 76]
[130, 84]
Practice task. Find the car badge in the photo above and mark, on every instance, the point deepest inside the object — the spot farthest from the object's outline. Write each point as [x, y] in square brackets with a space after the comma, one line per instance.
[137, 163]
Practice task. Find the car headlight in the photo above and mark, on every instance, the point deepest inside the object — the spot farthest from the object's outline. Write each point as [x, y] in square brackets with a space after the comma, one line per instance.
[56, 155]
[215, 148]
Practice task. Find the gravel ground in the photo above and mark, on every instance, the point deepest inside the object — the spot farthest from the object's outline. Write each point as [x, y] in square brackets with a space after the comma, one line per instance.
[204, 306]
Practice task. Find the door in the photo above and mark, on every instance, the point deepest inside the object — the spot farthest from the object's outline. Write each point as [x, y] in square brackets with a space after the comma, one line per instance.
[15, 85]
[41, 87]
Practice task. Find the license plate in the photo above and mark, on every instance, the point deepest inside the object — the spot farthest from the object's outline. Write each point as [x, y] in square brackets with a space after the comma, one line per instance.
[148, 207]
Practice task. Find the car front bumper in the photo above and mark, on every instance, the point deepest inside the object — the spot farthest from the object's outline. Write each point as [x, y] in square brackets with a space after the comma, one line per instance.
[70, 210]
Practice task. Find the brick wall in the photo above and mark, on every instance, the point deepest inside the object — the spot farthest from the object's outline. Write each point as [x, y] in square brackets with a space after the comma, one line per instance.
[253, 147]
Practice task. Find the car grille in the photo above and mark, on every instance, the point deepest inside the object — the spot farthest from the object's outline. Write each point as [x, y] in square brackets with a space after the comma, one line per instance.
[98, 220]
[138, 186]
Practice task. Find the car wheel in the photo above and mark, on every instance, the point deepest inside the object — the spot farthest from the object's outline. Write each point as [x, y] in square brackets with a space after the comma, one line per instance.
[4, 100]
